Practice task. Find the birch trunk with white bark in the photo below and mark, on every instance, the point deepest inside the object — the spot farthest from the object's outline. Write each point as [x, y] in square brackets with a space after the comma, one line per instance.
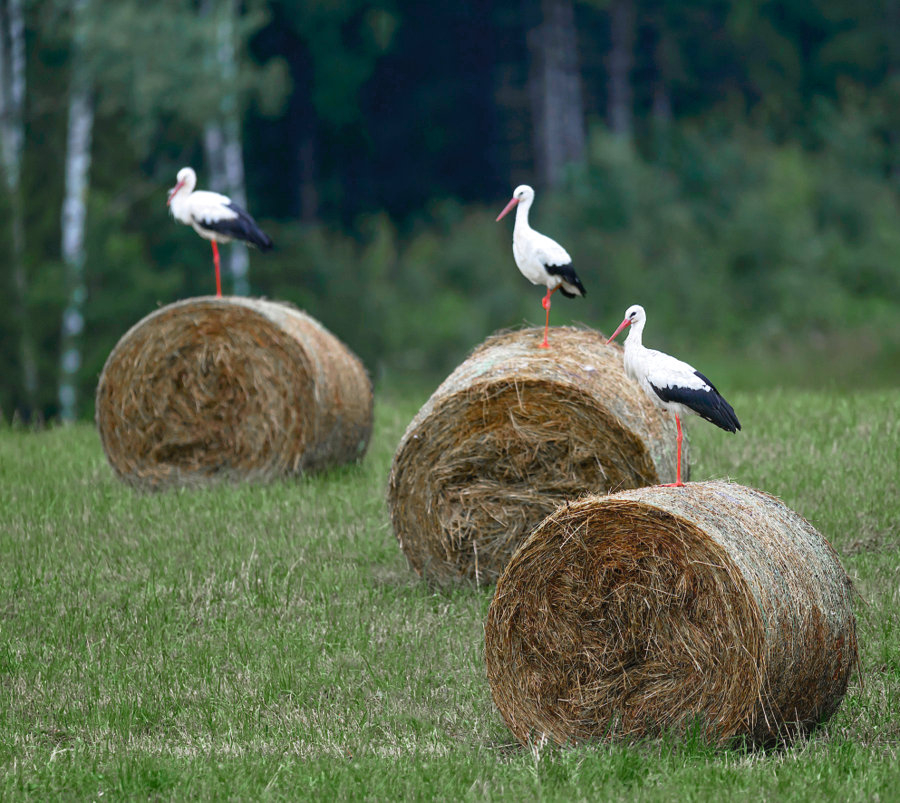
[74, 217]
[223, 147]
[12, 142]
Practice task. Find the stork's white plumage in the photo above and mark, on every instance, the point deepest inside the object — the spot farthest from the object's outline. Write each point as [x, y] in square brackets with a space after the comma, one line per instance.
[672, 384]
[540, 259]
[214, 216]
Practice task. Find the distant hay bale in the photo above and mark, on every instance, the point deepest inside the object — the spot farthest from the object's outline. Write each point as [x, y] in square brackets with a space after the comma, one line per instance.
[711, 606]
[230, 388]
[511, 433]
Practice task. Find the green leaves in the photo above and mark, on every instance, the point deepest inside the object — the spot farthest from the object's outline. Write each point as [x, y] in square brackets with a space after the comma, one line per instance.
[157, 61]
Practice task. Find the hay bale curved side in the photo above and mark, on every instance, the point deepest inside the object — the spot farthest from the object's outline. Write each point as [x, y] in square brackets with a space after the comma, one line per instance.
[511, 433]
[664, 608]
[230, 388]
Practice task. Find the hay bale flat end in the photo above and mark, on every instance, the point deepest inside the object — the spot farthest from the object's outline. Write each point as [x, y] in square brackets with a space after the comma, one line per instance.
[662, 609]
[211, 389]
[511, 433]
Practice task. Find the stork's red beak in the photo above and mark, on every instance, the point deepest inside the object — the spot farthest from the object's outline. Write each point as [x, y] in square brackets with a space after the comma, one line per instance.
[509, 206]
[626, 322]
[172, 192]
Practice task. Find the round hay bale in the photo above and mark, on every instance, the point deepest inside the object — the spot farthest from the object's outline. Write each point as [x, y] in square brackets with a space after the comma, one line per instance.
[511, 433]
[230, 388]
[712, 606]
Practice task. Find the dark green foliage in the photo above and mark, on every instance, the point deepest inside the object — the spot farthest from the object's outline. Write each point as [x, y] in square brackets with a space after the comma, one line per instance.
[756, 220]
[742, 252]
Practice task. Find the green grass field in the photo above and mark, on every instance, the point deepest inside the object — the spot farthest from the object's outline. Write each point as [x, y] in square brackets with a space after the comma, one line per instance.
[270, 642]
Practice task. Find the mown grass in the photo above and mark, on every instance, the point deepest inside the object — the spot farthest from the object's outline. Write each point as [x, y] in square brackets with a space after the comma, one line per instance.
[269, 642]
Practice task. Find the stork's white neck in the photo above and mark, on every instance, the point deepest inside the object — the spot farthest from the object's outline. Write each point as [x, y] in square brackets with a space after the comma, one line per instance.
[634, 351]
[522, 208]
[635, 335]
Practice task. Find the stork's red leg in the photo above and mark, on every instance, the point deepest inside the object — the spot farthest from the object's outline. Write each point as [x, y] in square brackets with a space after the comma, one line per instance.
[546, 304]
[218, 271]
[678, 483]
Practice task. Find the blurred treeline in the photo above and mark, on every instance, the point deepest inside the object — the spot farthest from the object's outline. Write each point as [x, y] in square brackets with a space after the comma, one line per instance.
[733, 166]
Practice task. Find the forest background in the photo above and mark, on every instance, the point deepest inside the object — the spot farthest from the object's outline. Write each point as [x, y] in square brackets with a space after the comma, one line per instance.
[734, 166]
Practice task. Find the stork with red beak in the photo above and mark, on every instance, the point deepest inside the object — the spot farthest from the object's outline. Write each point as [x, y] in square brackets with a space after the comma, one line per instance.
[215, 217]
[672, 384]
[540, 259]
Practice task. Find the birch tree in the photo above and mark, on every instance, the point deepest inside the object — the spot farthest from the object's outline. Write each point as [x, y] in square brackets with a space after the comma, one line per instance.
[12, 142]
[74, 213]
[222, 140]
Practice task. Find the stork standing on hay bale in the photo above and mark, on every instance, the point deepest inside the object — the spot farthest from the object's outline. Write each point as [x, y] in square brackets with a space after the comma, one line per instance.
[541, 260]
[672, 384]
[214, 216]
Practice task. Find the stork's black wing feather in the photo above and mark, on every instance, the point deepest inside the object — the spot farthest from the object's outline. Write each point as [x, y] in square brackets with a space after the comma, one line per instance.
[567, 274]
[240, 227]
[706, 402]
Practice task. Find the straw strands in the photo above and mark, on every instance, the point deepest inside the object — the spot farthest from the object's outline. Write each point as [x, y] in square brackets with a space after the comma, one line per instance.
[659, 609]
[230, 388]
[511, 433]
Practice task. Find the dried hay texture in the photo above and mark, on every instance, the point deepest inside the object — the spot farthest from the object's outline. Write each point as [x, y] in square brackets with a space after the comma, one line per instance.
[661, 609]
[511, 433]
[230, 388]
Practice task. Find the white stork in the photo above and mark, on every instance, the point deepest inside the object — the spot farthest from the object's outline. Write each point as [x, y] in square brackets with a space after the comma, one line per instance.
[541, 260]
[672, 384]
[215, 217]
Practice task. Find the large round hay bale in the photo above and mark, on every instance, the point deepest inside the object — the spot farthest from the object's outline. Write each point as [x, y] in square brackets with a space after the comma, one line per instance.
[230, 388]
[511, 433]
[712, 606]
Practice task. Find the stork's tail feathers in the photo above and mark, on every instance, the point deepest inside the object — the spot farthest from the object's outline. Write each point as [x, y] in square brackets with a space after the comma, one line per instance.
[723, 415]
[573, 289]
[241, 227]
[717, 410]
[571, 285]
[705, 401]
[731, 416]
[261, 240]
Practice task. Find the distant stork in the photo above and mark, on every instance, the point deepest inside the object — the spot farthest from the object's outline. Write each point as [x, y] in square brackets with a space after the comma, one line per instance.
[541, 260]
[215, 217]
[672, 384]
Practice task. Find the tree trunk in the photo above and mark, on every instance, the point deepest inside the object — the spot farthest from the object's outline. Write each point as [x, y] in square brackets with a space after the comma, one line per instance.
[555, 90]
[621, 59]
[223, 148]
[239, 264]
[74, 214]
[309, 193]
[213, 153]
[12, 141]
